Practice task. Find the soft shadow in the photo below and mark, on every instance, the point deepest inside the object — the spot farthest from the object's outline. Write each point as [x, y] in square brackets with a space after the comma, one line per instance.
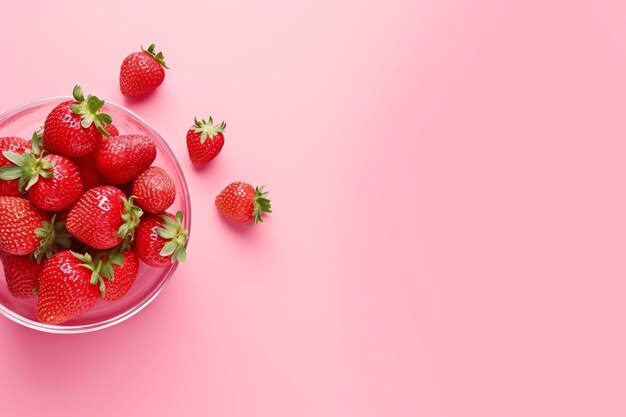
[242, 229]
[131, 101]
[207, 168]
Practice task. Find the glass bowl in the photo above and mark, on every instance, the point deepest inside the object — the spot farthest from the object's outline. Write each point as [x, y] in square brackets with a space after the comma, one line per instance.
[22, 121]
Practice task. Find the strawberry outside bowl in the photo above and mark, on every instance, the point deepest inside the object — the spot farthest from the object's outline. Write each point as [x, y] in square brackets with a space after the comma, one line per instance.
[22, 121]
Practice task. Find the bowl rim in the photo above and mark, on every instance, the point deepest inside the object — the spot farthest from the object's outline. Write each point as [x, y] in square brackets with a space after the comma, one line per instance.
[92, 327]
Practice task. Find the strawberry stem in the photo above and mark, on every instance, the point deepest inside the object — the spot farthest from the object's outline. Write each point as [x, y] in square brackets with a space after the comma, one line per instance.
[131, 216]
[89, 110]
[176, 236]
[156, 55]
[207, 129]
[261, 204]
[53, 237]
[28, 166]
[95, 266]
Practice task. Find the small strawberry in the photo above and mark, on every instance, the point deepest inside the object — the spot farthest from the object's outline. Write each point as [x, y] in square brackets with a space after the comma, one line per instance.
[53, 182]
[161, 240]
[25, 229]
[65, 287]
[16, 145]
[121, 159]
[118, 272]
[142, 72]
[21, 274]
[154, 190]
[74, 128]
[242, 203]
[204, 141]
[103, 218]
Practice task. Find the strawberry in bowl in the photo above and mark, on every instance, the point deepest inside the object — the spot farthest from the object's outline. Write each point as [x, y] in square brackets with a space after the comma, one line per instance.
[70, 219]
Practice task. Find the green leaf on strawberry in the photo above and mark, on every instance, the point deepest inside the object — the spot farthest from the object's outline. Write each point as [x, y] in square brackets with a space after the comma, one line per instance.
[37, 141]
[174, 232]
[156, 55]
[101, 265]
[27, 168]
[131, 216]
[207, 128]
[95, 266]
[262, 204]
[53, 236]
[89, 110]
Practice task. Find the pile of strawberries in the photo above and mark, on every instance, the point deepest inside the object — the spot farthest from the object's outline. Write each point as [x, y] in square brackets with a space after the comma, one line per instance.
[81, 204]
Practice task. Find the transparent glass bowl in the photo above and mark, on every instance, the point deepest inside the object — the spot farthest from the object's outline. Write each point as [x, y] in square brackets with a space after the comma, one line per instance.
[22, 121]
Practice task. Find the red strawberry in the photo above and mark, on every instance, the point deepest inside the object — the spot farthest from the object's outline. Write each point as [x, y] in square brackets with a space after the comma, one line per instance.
[103, 218]
[204, 141]
[160, 240]
[142, 72]
[121, 159]
[119, 271]
[18, 221]
[25, 229]
[53, 182]
[154, 190]
[21, 274]
[66, 287]
[16, 145]
[74, 128]
[88, 172]
[59, 191]
[242, 203]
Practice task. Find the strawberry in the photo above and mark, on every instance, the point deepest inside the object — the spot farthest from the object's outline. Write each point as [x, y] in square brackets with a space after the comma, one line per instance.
[121, 159]
[21, 274]
[204, 141]
[142, 72]
[103, 218]
[53, 182]
[16, 145]
[88, 172]
[161, 240]
[74, 128]
[243, 204]
[66, 287]
[25, 229]
[119, 271]
[154, 190]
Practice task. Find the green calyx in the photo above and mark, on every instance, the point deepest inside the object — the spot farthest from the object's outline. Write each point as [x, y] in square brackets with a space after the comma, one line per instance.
[89, 110]
[130, 216]
[207, 129]
[27, 167]
[262, 204]
[101, 266]
[37, 141]
[156, 55]
[174, 232]
[53, 237]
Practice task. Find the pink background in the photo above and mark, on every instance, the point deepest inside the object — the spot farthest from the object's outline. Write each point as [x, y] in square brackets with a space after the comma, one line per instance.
[450, 215]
